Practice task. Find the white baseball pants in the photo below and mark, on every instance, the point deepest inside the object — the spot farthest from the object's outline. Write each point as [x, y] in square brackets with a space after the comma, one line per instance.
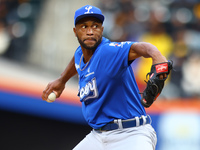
[134, 138]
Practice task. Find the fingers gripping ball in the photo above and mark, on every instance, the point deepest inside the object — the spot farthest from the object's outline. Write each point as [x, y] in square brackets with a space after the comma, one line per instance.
[155, 84]
[51, 97]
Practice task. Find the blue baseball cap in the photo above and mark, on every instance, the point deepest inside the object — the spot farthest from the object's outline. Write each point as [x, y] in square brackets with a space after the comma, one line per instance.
[88, 11]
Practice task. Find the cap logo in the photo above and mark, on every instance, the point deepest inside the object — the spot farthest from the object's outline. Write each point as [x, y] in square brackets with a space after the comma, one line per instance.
[88, 9]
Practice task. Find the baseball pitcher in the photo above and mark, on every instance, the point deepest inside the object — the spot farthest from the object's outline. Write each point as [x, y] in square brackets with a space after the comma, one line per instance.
[111, 102]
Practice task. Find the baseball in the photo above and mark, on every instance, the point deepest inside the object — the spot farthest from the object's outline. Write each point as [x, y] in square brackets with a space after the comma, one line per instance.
[51, 97]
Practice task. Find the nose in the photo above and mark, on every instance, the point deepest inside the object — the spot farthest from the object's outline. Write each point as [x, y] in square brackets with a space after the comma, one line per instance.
[89, 31]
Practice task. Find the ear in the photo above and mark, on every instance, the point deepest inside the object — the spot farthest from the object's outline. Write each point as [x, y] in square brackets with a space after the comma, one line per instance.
[74, 29]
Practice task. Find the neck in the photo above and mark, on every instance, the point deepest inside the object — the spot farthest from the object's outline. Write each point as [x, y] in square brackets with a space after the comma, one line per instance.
[87, 54]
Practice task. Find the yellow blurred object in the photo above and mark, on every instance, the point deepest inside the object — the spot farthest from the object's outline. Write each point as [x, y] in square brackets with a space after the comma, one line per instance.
[165, 45]
[180, 49]
[197, 10]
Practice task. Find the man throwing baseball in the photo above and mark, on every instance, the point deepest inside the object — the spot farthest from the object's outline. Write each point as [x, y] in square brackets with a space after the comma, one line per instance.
[111, 103]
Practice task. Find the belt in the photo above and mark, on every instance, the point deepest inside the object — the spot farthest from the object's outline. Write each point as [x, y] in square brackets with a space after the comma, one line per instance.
[120, 124]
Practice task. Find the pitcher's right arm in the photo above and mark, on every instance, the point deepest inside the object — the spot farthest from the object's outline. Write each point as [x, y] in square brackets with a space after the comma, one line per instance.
[57, 86]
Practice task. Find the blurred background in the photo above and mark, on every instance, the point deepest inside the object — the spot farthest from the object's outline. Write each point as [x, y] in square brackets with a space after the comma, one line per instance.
[37, 42]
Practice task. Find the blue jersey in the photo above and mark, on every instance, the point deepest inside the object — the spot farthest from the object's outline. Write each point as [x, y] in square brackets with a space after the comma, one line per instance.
[107, 86]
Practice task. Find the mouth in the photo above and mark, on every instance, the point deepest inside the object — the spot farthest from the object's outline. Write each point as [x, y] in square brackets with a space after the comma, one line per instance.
[90, 40]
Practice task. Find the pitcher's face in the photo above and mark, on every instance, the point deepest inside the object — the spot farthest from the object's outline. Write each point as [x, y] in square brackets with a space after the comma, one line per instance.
[89, 32]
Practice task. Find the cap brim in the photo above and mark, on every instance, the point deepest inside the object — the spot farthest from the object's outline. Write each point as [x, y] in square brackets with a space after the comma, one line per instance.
[98, 16]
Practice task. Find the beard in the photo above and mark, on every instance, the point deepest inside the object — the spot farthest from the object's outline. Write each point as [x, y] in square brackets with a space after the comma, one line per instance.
[93, 47]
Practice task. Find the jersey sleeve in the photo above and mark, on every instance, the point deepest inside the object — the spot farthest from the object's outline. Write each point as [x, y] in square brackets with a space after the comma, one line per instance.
[115, 57]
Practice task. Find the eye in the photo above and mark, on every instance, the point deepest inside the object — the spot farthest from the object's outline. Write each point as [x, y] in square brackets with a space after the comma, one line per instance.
[95, 26]
[83, 26]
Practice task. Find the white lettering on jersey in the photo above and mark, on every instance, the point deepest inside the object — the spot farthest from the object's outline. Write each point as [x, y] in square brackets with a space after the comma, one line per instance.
[119, 44]
[89, 91]
[89, 74]
[112, 44]
[77, 66]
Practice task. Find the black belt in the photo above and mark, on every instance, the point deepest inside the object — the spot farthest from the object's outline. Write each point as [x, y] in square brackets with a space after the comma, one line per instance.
[120, 124]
